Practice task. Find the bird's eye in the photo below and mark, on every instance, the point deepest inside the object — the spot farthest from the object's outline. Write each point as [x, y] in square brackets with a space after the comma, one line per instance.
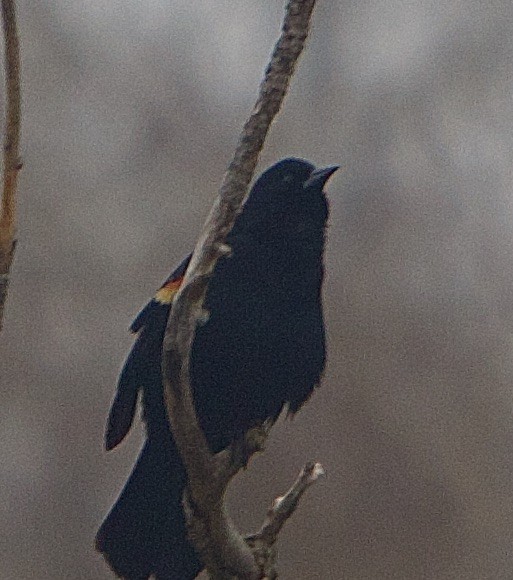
[288, 178]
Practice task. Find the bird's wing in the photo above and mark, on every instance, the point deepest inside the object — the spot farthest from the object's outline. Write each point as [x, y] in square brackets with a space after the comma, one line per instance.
[149, 325]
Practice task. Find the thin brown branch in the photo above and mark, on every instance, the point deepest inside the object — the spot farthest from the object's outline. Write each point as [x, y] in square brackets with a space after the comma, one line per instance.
[223, 550]
[262, 543]
[283, 507]
[12, 163]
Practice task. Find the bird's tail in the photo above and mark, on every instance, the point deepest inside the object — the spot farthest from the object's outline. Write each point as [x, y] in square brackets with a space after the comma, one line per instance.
[145, 533]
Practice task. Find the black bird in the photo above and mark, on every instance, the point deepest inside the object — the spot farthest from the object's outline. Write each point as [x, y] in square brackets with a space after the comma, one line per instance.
[261, 350]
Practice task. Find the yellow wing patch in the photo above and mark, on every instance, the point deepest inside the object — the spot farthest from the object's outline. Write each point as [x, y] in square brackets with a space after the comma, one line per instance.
[167, 293]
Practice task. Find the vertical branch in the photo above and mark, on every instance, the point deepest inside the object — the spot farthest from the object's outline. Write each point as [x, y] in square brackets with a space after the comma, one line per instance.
[12, 163]
[223, 550]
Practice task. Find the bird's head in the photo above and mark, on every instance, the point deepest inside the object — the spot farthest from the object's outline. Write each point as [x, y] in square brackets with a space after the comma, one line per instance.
[289, 197]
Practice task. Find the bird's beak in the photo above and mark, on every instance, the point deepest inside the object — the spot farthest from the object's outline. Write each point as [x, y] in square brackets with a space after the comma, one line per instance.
[319, 177]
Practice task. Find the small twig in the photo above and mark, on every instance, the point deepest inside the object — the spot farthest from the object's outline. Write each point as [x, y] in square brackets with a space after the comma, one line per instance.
[283, 507]
[262, 543]
[12, 163]
[224, 551]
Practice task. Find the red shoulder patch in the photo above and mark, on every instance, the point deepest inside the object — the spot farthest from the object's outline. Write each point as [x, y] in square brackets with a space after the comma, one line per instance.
[167, 292]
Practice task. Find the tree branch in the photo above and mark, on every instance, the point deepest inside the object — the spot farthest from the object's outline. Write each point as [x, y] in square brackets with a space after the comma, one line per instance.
[262, 543]
[223, 550]
[283, 507]
[12, 163]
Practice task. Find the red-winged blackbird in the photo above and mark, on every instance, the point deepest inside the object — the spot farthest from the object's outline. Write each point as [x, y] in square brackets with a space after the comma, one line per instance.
[261, 349]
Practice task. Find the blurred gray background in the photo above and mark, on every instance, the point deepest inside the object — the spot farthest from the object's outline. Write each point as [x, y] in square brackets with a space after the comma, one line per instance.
[131, 113]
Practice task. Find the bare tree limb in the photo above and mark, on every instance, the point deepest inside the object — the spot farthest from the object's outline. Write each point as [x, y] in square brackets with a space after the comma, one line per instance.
[12, 163]
[224, 551]
[283, 507]
[262, 543]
